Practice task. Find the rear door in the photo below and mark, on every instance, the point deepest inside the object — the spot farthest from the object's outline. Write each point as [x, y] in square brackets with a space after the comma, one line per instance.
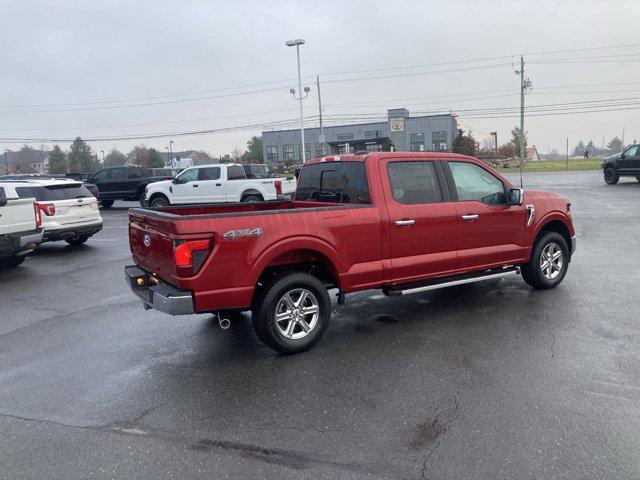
[490, 232]
[423, 224]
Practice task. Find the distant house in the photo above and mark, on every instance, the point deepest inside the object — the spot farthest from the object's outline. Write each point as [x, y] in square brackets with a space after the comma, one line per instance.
[532, 154]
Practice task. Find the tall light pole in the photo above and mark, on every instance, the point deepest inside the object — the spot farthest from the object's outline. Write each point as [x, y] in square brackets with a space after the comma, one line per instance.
[296, 43]
[6, 160]
[102, 151]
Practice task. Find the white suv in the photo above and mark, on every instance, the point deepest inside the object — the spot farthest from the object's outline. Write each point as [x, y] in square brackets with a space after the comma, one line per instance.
[69, 211]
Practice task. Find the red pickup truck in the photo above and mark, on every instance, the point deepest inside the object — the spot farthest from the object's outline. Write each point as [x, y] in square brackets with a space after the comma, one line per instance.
[402, 222]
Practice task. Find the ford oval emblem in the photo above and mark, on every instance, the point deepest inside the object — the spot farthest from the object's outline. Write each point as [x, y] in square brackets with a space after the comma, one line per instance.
[146, 240]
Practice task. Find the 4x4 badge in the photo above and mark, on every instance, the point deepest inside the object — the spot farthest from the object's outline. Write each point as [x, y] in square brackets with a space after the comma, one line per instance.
[250, 232]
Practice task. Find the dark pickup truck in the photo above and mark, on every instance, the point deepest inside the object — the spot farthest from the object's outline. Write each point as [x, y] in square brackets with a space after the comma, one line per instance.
[402, 222]
[123, 183]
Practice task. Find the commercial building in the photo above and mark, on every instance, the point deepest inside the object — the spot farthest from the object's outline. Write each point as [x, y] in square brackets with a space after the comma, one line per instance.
[404, 132]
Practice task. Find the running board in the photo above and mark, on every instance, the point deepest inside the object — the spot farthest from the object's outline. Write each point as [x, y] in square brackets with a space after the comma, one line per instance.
[452, 281]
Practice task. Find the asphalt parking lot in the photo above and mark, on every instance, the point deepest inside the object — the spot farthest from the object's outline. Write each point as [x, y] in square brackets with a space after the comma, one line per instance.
[486, 381]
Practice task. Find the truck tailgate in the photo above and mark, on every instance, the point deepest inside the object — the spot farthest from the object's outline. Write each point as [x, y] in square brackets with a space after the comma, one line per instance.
[17, 216]
[151, 243]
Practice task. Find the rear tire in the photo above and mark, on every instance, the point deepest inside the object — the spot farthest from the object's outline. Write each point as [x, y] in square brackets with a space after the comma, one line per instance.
[159, 201]
[610, 176]
[549, 262]
[12, 261]
[252, 199]
[79, 240]
[293, 313]
[106, 203]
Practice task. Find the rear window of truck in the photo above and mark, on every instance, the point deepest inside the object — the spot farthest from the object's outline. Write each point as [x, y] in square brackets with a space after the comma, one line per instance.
[53, 192]
[334, 182]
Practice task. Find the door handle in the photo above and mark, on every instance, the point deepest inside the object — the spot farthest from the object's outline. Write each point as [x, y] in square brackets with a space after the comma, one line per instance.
[195, 185]
[466, 218]
[404, 223]
[218, 184]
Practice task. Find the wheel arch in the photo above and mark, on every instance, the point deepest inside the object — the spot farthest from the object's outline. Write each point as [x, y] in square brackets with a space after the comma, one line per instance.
[153, 195]
[306, 254]
[251, 191]
[553, 222]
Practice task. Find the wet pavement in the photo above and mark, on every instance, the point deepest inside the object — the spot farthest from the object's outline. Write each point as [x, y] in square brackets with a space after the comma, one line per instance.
[493, 380]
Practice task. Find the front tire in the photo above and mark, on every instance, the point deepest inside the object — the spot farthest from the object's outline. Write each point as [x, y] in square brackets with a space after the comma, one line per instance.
[12, 261]
[293, 313]
[610, 176]
[549, 262]
[79, 240]
[159, 202]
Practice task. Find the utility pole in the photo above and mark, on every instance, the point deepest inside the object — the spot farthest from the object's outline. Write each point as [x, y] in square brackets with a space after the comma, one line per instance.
[522, 89]
[321, 137]
[622, 149]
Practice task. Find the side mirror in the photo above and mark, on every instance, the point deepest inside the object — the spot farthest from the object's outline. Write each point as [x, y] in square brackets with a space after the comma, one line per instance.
[175, 181]
[622, 155]
[516, 196]
[3, 202]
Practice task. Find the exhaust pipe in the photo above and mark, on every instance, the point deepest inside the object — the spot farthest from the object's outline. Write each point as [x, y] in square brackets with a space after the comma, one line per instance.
[224, 322]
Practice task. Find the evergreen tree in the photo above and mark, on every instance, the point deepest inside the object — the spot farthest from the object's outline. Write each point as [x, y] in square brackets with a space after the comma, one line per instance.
[57, 161]
[515, 140]
[615, 145]
[464, 144]
[81, 157]
[115, 158]
[579, 149]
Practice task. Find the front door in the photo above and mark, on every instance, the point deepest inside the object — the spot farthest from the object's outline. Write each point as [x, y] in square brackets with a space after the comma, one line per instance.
[422, 220]
[186, 187]
[629, 161]
[490, 232]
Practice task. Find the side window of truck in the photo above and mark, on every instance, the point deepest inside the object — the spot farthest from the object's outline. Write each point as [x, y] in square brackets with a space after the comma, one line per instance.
[209, 173]
[190, 175]
[334, 182]
[414, 183]
[235, 172]
[475, 183]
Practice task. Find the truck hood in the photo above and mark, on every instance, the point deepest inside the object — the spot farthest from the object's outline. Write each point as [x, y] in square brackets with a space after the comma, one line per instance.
[531, 195]
[162, 184]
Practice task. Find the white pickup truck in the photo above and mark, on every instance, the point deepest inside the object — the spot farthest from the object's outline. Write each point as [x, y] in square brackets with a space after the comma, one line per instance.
[213, 184]
[20, 228]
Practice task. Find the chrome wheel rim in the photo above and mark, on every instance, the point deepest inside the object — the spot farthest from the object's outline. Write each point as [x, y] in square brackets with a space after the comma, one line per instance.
[551, 261]
[297, 313]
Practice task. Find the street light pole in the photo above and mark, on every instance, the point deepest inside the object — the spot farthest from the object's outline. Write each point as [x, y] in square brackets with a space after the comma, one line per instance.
[6, 160]
[102, 151]
[296, 43]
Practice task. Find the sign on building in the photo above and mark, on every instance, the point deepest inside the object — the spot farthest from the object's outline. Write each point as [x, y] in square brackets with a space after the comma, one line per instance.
[396, 124]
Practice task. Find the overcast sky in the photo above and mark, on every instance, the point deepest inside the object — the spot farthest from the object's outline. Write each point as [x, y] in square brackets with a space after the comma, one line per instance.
[65, 65]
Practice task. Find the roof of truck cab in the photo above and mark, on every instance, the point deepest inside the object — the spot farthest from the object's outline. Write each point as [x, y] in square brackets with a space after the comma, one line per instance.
[361, 157]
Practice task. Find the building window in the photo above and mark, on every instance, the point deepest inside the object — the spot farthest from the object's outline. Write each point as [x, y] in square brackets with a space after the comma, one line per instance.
[439, 140]
[287, 153]
[272, 153]
[417, 142]
[345, 136]
[373, 134]
[307, 151]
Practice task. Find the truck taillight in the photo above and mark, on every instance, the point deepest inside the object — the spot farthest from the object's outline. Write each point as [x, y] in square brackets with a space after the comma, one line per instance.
[191, 253]
[36, 208]
[49, 209]
[278, 185]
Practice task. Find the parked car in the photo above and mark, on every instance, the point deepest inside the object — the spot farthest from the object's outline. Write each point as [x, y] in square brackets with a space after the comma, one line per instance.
[259, 170]
[122, 183]
[219, 183]
[403, 222]
[68, 210]
[625, 164]
[20, 227]
[40, 176]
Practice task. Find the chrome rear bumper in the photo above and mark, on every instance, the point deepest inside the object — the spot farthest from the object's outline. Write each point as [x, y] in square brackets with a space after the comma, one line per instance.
[157, 294]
